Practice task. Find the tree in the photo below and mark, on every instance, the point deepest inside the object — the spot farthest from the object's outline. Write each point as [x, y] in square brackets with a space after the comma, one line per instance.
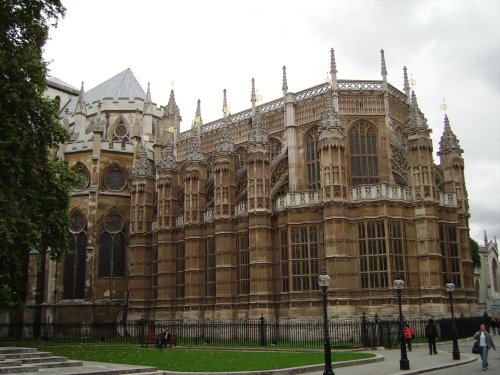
[476, 259]
[34, 184]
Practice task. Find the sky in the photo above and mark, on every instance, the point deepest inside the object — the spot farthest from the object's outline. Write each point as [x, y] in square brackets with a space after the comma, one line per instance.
[450, 47]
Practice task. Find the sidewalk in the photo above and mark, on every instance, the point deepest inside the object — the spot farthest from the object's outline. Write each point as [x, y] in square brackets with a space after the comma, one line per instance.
[420, 361]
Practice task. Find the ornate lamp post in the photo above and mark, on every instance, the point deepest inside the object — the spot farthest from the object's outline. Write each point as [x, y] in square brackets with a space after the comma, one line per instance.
[324, 282]
[404, 363]
[450, 288]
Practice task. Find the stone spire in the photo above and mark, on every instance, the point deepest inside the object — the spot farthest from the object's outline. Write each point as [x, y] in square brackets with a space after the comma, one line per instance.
[406, 86]
[253, 97]
[148, 105]
[100, 120]
[258, 135]
[194, 152]
[142, 166]
[333, 66]
[284, 86]
[168, 161]
[384, 68]
[136, 125]
[171, 107]
[225, 143]
[333, 75]
[197, 117]
[416, 119]
[330, 127]
[449, 141]
[80, 103]
[225, 109]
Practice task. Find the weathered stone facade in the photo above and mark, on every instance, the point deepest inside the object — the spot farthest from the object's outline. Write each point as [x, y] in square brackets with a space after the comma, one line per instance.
[233, 219]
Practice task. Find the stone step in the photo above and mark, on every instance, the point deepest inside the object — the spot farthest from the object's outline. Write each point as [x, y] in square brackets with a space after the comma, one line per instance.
[18, 369]
[10, 363]
[67, 363]
[27, 355]
[15, 349]
[42, 360]
[104, 371]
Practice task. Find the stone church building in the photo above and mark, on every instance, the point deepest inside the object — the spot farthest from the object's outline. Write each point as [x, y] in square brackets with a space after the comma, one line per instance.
[233, 219]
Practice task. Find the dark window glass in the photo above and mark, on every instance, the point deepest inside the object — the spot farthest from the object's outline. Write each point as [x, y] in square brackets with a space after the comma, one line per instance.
[363, 151]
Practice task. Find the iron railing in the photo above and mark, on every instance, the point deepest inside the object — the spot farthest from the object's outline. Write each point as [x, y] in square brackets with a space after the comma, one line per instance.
[366, 332]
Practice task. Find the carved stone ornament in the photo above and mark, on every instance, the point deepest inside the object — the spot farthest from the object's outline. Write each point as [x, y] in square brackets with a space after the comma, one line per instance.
[225, 143]
[449, 141]
[168, 162]
[416, 119]
[258, 135]
[194, 152]
[142, 166]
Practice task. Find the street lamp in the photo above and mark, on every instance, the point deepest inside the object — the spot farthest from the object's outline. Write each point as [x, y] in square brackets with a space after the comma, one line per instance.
[324, 282]
[404, 363]
[450, 288]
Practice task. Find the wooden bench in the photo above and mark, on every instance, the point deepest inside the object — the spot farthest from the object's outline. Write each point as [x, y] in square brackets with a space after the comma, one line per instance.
[152, 338]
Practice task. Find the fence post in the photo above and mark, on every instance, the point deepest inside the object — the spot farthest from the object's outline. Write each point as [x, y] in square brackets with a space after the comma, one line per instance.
[364, 331]
[262, 331]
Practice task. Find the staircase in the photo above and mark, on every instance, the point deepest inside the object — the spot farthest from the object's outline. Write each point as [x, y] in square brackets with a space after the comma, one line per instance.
[14, 360]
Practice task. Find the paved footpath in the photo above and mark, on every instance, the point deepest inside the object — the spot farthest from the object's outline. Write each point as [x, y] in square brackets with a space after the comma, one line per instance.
[420, 361]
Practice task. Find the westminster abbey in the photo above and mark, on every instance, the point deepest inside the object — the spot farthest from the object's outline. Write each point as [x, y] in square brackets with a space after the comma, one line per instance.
[234, 219]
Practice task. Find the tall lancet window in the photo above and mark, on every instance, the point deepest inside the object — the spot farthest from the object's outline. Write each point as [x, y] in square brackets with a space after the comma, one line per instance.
[363, 153]
[313, 163]
[112, 247]
[75, 260]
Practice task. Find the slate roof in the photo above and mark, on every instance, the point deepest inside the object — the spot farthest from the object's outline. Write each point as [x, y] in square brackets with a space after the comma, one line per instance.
[124, 85]
[59, 83]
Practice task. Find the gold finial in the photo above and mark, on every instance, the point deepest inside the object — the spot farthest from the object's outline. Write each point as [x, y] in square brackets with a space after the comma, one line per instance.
[413, 81]
[328, 78]
[146, 138]
[444, 106]
[258, 97]
[170, 129]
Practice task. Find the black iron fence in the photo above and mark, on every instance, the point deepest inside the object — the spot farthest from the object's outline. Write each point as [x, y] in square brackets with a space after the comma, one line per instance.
[366, 332]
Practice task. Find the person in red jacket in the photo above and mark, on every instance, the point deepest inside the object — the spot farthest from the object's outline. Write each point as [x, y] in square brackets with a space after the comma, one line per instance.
[408, 334]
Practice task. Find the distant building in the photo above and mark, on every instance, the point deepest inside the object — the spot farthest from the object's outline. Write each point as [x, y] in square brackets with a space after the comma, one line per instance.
[487, 277]
[233, 219]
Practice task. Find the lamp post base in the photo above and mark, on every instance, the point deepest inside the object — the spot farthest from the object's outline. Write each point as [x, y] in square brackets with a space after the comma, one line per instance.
[404, 364]
[456, 355]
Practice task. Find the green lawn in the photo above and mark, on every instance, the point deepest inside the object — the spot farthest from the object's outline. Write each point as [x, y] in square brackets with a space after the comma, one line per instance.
[194, 360]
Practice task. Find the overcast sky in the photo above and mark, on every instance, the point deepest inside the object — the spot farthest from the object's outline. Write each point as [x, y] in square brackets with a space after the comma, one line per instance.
[451, 49]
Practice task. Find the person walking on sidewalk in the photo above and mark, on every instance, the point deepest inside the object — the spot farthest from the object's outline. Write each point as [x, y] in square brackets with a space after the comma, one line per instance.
[485, 341]
[408, 334]
[431, 335]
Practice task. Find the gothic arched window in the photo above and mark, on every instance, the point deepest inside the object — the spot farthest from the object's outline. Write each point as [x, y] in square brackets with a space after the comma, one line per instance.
[313, 162]
[363, 153]
[115, 179]
[112, 247]
[75, 260]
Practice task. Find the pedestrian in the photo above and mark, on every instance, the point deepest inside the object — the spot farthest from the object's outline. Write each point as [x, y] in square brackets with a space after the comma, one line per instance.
[485, 342]
[493, 325]
[408, 334]
[431, 334]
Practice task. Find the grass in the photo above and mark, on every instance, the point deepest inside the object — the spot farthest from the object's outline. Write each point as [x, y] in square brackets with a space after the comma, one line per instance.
[195, 360]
